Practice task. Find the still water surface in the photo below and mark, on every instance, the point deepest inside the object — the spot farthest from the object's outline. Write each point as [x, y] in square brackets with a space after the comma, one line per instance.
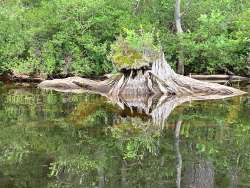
[62, 140]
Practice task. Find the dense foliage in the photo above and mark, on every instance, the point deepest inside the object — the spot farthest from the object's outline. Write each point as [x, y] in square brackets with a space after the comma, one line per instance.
[73, 37]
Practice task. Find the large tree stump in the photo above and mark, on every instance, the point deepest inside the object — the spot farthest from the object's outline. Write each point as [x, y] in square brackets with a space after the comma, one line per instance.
[156, 90]
[159, 79]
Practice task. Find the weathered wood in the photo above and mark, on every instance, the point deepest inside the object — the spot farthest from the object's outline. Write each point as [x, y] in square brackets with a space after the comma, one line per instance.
[159, 80]
[15, 77]
[219, 77]
[76, 85]
[153, 103]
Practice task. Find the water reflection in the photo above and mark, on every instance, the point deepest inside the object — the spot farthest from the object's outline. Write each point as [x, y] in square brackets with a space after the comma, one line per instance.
[50, 139]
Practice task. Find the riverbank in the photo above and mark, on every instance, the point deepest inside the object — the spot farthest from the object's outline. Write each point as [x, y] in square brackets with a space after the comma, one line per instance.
[217, 78]
[20, 78]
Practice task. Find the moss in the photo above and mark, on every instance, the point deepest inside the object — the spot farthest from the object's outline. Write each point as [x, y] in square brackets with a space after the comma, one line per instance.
[134, 51]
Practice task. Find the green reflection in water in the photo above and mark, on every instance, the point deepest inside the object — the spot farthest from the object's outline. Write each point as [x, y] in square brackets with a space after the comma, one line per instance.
[51, 139]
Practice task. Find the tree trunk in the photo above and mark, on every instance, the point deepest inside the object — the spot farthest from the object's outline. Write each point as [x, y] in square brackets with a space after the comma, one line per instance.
[137, 6]
[180, 65]
[178, 16]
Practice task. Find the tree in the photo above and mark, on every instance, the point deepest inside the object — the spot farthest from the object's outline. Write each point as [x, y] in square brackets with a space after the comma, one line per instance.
[180, 65]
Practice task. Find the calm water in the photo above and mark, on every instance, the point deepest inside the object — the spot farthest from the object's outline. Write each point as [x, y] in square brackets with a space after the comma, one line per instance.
[52, 139]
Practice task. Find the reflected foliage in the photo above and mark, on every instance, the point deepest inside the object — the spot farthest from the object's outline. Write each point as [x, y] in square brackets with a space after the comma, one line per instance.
[51, 139]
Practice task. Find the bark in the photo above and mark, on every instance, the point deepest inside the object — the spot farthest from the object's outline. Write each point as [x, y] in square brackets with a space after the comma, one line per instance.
[219, 77]
[178, 16]
[159, 80]
[155, 92]
[180, 65]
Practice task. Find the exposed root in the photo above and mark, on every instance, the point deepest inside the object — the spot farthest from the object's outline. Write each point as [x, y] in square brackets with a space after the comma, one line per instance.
[159, 80]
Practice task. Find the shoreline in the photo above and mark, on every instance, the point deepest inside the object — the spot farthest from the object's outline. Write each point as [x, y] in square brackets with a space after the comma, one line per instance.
[23, 78]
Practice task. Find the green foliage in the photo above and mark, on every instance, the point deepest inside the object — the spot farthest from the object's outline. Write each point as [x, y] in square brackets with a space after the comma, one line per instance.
[213, 48]
[135, 50]
[74, 37]
[134, 139]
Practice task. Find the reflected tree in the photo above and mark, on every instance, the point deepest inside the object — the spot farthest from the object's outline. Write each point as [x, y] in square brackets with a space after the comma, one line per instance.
[70, 140]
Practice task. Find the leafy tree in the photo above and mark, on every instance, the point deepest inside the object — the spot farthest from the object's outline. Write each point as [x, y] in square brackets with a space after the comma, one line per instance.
[62, 38]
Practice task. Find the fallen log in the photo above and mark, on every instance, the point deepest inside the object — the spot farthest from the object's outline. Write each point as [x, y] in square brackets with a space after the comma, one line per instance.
[220, 78]
[15, 77]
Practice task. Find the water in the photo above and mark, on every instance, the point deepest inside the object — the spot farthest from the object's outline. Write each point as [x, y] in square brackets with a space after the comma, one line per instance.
[52, 139]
